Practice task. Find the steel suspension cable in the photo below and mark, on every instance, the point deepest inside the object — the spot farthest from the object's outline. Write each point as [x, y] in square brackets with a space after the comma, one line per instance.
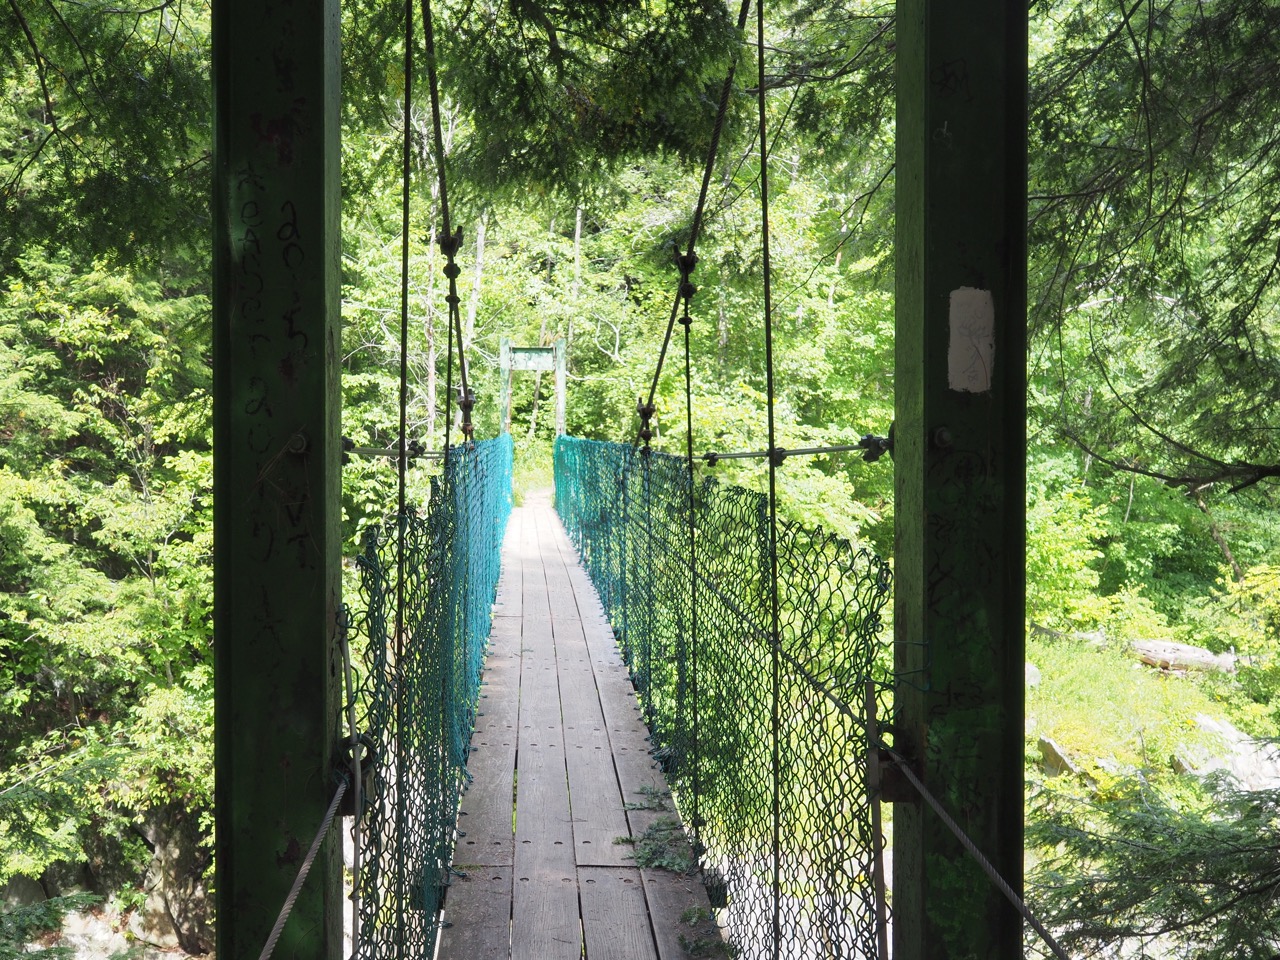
[645, 408]
[904, 766]
[449, 242]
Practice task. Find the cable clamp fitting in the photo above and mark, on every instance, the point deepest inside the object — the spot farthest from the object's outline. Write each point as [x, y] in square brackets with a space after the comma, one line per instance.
[345, 771]
[874, 447]
[686, 262]
[894, 785]
[450, 245]
[466, 402]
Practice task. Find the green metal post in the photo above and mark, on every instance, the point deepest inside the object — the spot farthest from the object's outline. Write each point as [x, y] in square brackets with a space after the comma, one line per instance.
[561, 360]
[276, 473]
[960, 469]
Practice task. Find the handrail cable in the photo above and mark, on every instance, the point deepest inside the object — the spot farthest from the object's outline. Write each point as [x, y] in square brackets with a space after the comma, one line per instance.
[872, 448]
[326, 822]
[988, 868]
[393, 453]
[645, 408]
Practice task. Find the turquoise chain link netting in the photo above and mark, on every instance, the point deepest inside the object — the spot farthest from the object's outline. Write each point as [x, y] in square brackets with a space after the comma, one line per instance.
[764, 743]
[419, 690]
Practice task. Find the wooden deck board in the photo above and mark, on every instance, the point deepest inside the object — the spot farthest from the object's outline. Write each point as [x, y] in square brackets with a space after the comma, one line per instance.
[483, 897]
[484, 816]
[560, 747]
[615, 915]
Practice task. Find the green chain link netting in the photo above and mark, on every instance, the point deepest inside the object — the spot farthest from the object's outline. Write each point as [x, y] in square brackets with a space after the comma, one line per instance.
[764, 742]
[419, 690]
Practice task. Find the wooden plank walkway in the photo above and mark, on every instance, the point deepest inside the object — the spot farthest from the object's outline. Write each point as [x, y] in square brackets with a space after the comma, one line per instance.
[562, 771]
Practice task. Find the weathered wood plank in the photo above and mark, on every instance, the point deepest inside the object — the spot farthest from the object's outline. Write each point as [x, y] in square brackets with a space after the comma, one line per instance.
[679, 909]
[680, 915]
[485, 833]
[596, 800]
[484, 816]
[546, 923]
[615, 916]
[536, 606]
[559, 726]
[477, 916]
[509, 601]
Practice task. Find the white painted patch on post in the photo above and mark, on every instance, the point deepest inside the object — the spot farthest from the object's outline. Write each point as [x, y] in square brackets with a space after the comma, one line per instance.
[972, 349]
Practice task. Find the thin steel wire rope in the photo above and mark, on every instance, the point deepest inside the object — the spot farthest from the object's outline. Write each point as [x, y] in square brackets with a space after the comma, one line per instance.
[775, 666]
[303, 872]
[445, 240]
[402, 467]
[326, 823]
[691, 479]
[712, 456]
[979, 858]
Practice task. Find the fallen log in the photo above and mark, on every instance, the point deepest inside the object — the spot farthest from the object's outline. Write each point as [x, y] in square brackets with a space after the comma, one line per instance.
[1167, 655]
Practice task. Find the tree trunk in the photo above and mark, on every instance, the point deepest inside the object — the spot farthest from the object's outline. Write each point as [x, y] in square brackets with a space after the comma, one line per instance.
[577, 277]
[542, 329]
[1236, 572]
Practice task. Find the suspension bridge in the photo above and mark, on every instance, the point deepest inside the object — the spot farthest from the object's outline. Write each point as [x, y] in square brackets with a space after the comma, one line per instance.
[634, 756]
[749, 642]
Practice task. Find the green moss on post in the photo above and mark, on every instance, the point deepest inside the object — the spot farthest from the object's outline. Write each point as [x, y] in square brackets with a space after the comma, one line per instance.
[276, 473]
[960, 475]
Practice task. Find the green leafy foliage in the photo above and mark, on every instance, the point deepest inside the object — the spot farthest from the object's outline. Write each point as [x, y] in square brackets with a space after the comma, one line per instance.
[554, 90]
[1063, 529]
[1153, 282]
[105, 523]
[21, 926]
[1156, 878]
[664, 846]
[106, 128]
